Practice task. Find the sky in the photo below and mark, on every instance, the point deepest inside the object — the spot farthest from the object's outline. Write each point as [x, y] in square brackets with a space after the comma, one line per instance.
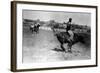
[77, 17]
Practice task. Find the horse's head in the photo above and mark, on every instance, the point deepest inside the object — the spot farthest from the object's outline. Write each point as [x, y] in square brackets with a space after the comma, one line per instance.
[39, 25]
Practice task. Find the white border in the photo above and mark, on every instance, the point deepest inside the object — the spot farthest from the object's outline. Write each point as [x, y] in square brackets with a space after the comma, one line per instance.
[54, 64]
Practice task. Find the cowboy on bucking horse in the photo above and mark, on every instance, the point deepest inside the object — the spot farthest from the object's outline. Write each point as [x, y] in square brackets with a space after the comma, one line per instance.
[68, 29]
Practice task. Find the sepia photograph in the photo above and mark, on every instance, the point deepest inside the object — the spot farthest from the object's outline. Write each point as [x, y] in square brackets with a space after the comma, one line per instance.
[50, 36]
[47, 36]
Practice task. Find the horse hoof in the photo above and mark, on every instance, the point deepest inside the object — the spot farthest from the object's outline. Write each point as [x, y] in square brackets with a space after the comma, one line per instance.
[70, 51]
[65, 51]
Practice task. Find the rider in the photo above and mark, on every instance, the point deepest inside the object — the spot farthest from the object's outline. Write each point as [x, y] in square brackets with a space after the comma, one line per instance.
[37, 22]
[37, 25]
[68, 29]
[68, 25]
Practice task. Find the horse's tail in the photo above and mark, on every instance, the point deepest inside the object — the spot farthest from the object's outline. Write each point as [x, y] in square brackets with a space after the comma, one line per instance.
[54, 31]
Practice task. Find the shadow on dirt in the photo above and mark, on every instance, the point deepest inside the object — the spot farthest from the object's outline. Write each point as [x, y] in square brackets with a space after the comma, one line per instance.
[58, 50]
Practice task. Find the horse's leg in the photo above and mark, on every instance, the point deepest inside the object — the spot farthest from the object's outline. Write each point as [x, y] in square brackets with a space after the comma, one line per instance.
[62, 47]
[69, 47]
[38, 30]
[32, 30]
[35, 30]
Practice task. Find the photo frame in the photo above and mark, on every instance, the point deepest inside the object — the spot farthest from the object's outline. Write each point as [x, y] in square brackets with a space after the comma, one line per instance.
[46, 36]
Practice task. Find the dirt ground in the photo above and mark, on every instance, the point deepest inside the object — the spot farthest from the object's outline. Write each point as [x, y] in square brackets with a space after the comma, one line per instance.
[41, 48]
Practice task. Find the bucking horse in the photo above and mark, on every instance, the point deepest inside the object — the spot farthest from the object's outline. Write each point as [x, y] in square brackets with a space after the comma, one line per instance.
[64, 38]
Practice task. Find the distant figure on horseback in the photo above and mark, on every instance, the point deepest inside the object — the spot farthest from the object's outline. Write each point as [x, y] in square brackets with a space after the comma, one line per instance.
[35, 27]
[68, 29]
[32, 27]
